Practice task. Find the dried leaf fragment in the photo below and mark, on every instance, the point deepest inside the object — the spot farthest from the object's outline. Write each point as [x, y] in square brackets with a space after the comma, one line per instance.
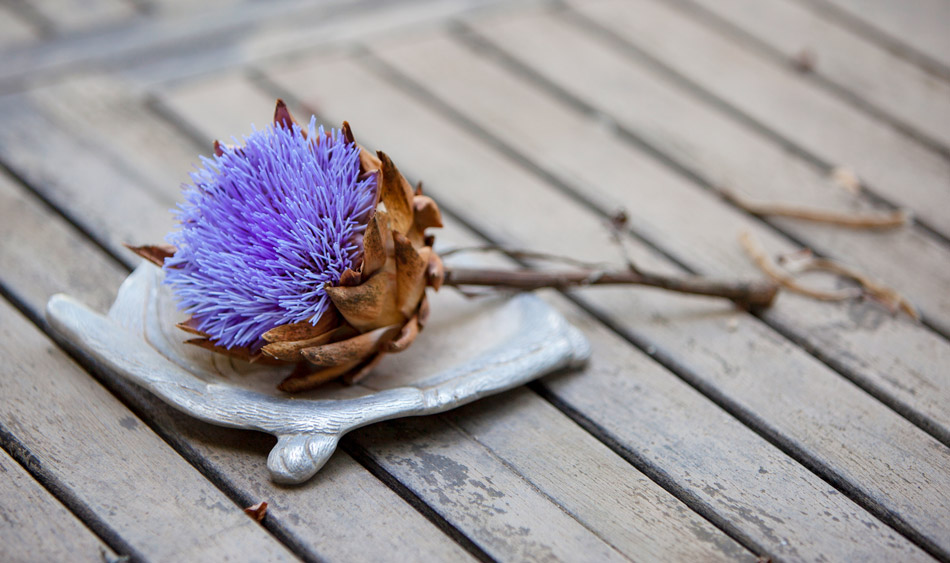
[396, 194]
[257, 511]
[154, 253]
[889, 220]
[303, 330]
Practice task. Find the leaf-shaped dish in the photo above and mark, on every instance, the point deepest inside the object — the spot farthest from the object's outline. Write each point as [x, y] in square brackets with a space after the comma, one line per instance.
[469, 350]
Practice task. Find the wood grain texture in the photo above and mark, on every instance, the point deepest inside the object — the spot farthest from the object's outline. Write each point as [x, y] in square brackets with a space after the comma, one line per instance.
[110, 462]
[158, 47]
[920, 24]
[15, 32]
[853, 63]
[32, 271]
[67, 170]
[902, 360]
[71, 16]
[463, 480]
[599, 489]
[36, 526]
[892, 164]
[498, 198]
[343, 514]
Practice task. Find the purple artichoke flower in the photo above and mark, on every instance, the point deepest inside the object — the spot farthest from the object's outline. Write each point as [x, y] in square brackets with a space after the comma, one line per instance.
[304, 248]
[265, 227]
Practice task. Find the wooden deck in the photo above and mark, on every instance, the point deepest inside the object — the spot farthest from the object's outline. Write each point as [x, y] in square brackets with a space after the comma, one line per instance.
[813, 431]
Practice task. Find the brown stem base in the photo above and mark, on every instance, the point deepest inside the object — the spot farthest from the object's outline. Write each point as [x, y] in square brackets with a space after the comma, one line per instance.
[747, 294]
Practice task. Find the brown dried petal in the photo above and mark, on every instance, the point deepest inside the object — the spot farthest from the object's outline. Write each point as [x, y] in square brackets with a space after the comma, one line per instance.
[303, 330]
[422, 316]
[435, 271]
[426, 213]
[353, 349]
[396, 195]
[297, 382]
[257, 511]
[377, 244]
[191, 326]
[289, 351]
[368, 163]
[360, 372]
[283, 118]
[154, 253]
[405, 337]
[410, 273]
[348, 133]
[371, 304]
[349, 278]
[240, 353]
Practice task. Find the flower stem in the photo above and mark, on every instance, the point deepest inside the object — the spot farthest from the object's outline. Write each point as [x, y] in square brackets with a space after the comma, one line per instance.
[747, 294]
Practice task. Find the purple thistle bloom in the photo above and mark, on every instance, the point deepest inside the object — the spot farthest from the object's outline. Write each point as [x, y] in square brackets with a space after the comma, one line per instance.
[264, 228]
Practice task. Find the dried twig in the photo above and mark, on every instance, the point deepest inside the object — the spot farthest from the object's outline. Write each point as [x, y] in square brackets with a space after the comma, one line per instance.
[751, 294]
[783, 278]
[889, 220]
[519, 254]
[618, 221]
[889, 296]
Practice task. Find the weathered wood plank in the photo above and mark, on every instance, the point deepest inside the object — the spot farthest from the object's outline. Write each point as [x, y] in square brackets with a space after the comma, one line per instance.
[14, 30]
[331, 517]
[480, 495]
[499, 198]
[113, 465]
[662, 526]
[601, 490]
[711, 147]
[70, 16]
[920, 24]
[160, 47]
[892, 164]
[36, 526]
[854, 64]
[79, 179]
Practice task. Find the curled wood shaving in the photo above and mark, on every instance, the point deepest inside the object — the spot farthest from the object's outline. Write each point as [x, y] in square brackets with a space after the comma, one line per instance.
[783, 278]
[893, 219]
